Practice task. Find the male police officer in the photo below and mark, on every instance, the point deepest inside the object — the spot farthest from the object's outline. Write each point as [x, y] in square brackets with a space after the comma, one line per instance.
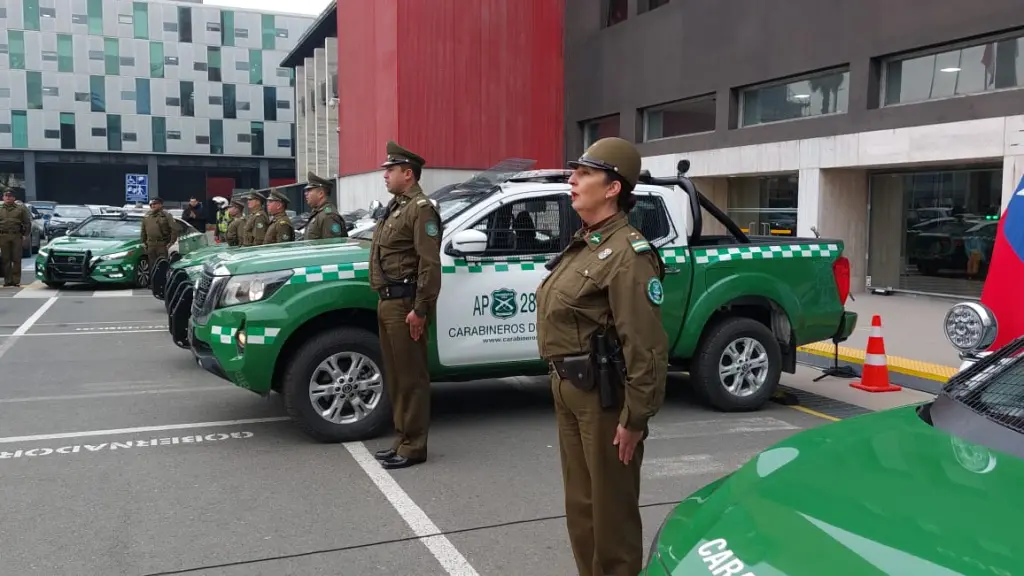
[324, 222]
[236, 224]
[405, 270]
[256, 223]
[280, 229]
[158, 231]
[15, 227]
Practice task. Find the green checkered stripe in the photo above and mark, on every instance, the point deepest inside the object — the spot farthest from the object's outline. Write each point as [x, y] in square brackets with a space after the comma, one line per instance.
[223, 334]
[329, 272]
[673, 255]
[504, 264]
[712, 255]
[261, 335]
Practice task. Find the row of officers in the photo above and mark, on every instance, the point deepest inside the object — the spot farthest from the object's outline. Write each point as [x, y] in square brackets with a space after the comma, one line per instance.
[266, 223]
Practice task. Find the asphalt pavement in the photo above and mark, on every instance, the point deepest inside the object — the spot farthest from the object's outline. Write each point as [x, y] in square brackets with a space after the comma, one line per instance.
[119, 456]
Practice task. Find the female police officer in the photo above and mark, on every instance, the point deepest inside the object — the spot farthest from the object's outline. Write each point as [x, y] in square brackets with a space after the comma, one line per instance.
[608, 278]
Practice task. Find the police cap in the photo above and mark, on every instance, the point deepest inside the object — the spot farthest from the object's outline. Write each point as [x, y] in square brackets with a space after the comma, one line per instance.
[276, 194]
[613, 155]
[314, 181]
[399, 155]
[255, 195]
[239, 202]
[156, 200]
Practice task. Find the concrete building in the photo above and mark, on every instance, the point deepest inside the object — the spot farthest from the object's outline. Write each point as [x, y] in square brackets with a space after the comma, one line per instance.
[191, 95]
[894, 126]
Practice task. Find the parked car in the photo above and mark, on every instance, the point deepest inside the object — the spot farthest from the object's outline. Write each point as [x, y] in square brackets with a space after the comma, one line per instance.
[66, 217]
[37, 237]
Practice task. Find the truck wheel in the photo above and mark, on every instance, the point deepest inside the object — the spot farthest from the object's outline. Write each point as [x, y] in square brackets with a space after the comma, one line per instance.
[334, 387]
[737, 366]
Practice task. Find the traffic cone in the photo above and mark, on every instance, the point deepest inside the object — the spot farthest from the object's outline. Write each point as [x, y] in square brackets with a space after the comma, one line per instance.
[875, 376]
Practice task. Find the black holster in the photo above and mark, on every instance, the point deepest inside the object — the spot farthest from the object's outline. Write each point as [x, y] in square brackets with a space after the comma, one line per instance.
[603, 368]
[396, 291]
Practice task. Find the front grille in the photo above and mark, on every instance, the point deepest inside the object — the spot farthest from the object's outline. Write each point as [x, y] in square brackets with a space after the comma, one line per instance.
[65, 266]
[206, 295]
[203, 290]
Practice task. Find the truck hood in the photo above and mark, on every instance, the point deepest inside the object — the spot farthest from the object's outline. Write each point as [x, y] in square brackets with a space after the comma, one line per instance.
[878, 494]
[288, 255]
[197, 256]
[97, 246]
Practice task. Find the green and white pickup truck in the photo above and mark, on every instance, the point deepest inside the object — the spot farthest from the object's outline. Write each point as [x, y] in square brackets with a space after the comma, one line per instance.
[300, 318]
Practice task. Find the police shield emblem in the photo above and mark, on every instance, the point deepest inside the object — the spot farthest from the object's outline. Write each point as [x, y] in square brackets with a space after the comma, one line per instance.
[503, 303]
[336, 228]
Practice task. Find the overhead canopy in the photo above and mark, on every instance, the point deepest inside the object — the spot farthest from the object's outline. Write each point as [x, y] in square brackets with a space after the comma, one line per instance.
[324, 27]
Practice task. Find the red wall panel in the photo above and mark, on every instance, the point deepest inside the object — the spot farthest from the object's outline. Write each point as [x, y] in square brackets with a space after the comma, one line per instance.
[462, 83]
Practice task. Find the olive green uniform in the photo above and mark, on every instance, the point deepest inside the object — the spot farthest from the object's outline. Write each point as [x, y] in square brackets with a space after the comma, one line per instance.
[405, 270]
[235, 229]
[15, 226]
[158, 232]
[256, 228]
[324, 222]
[280, 228]
[608, 277]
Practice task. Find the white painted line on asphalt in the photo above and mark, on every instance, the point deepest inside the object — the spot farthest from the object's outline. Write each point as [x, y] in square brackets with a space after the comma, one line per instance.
[453, 562]
[113, 293]
[699, 428]
[25, 326]
[97, 333]
[693, 465]
[121, 328]
[122, 431]
[29, 292]
[115, 394]
[114, 446]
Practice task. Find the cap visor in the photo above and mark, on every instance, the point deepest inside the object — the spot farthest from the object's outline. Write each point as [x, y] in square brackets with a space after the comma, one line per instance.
[578, 163]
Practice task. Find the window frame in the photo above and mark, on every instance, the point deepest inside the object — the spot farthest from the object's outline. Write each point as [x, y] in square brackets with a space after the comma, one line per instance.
[564, 235]
[741, 104]
[712, 96]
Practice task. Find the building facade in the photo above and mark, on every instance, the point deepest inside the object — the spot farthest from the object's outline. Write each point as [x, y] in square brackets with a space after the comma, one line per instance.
[190, 95]
[895, 127]
[464, 84]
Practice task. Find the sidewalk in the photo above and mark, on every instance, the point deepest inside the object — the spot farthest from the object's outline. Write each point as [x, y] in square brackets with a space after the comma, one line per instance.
[915, 343]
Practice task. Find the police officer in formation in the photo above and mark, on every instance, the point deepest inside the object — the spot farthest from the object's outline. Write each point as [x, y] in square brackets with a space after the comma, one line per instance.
[236, 223]
[158, 231]
[280, 228]
[405, 270]
[324, 221]
[257, 222]
[15, 228]
[608, 279]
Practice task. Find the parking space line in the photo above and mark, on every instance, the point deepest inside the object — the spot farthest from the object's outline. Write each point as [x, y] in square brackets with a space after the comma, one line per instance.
[115, 394]
[113, 293]
[94, 333]
[121, 431]
[25, 326]
[453, 562]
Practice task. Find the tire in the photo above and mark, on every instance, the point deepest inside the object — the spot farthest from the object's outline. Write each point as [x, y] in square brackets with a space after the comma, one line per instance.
[142, 273]
[158, 277]
[304, 366]
[708, 382]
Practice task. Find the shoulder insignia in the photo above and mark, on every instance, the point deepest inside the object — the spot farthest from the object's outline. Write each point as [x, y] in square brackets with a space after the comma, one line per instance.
[327, 210]
[604, 253]
[431, 228]
[595, 238]
[421, 202]
[640, 246]
[655, 292]
[259, 224]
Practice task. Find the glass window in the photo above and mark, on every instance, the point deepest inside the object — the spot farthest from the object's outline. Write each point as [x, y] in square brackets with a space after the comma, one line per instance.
[530, 226]
[764, 206]
[648, 5]
[16, 49]
[142, 96]
[156, 59]
[67, 131]
[679, 118]
[819, 95]
[269, 103]
[933, 231]
[98, 93]
[256, 129]
[184, 24]
[94, 9]
[230, 110]
[255, 67]
[269, 32]
[187, 93]
[613, 12]
[30, 10]
[159, 134]
[125, 18]
[113, 132]
[216, 136]
[594, 130]
[213, 64]
[34, 89]
[65, 53]
[227, 28]
[19, 128]
[970, 70]
[140, 20]
[111, 57]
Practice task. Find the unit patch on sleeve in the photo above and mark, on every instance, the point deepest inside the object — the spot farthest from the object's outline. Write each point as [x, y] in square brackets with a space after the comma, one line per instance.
[655, 292]
[336, 228]
[431, 229]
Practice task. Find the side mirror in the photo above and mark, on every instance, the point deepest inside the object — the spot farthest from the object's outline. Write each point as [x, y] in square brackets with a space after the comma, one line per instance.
[468, 242]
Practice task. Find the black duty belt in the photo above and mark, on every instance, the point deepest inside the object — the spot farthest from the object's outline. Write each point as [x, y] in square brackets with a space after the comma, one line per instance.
[395, 291]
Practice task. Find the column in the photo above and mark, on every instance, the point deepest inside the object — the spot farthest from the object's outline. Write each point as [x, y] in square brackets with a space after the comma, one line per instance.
[153, 174]
[887, 230]
[807, 201]
[843, 214]
[264, 173]
[30, 177]
[332, 140]
[322, 98]
[312, 108]
[300, 125]
[1013, 171]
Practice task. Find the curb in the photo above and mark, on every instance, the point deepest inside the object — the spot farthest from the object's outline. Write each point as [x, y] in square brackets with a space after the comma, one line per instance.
[906, 366]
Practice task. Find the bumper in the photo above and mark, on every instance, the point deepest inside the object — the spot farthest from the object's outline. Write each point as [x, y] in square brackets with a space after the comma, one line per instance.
[203, 354]
[847, 324]
[77, 268]
[239, 344]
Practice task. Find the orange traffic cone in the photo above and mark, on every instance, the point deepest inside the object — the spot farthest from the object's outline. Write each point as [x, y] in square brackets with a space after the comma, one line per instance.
[875, 377]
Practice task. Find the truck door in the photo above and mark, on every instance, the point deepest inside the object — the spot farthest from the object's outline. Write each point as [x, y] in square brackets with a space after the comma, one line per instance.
[487, 309]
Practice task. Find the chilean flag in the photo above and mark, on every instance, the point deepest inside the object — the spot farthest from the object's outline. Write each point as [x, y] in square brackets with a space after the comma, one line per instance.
[1004, 287]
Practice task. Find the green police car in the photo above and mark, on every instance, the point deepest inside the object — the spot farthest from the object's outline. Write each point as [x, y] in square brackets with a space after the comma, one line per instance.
[930, 489]
[107, 249]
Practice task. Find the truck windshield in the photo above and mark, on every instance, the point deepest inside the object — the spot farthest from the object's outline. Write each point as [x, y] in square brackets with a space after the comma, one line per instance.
[450, 203]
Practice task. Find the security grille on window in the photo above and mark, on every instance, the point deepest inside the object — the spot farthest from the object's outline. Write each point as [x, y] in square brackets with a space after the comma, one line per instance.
[649, 215]
[524, 227]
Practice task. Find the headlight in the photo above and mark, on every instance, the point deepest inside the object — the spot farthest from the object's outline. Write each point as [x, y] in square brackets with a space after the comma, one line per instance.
[970, 327]
[114, 256]
[252, 287]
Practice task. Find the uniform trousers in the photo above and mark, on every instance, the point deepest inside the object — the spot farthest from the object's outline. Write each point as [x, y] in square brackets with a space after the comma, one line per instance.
[10, 257]
[406, 377]
[154, 252]
[602, 495]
